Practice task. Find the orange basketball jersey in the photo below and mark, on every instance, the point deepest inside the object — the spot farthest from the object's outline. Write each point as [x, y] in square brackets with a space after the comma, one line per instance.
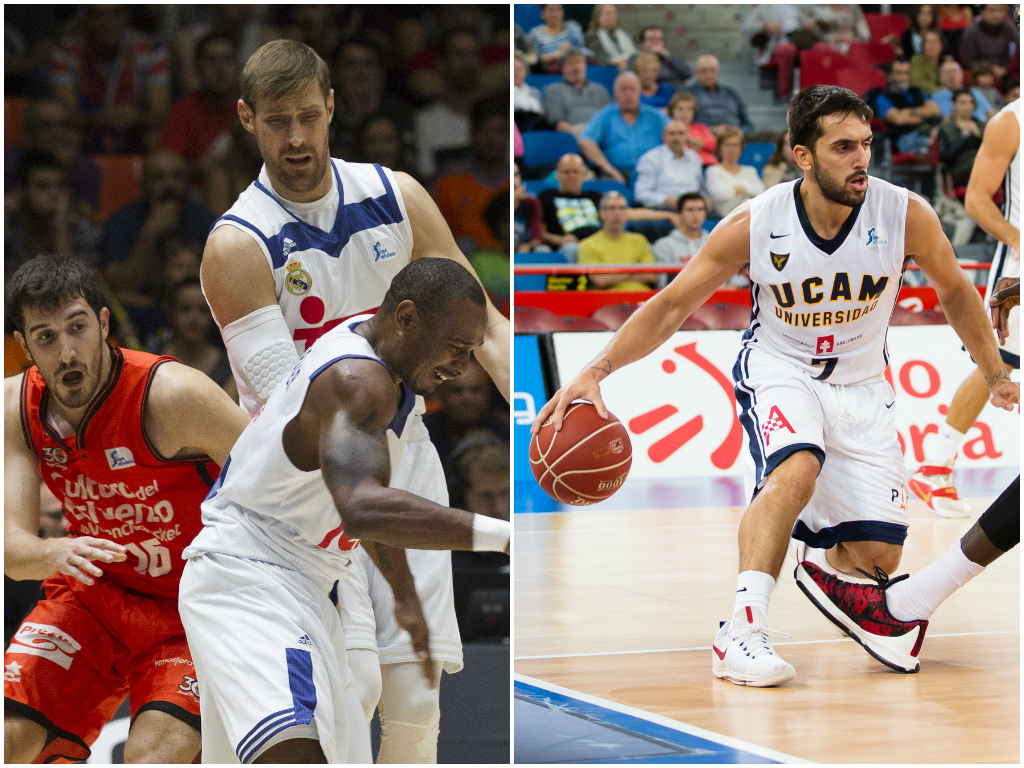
[112, 483]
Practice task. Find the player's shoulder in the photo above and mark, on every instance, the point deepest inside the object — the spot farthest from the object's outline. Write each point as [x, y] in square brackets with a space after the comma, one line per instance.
[175, 388]
[1004, 127]
[362, 386]
[12, 395]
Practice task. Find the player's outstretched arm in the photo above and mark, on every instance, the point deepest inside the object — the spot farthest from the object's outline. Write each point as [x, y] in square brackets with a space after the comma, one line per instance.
[432, 238]
[726, 251]
[964, 308]
[239, 287]
[188, 415]
[26, 556]
[341, 430]
[998, 146]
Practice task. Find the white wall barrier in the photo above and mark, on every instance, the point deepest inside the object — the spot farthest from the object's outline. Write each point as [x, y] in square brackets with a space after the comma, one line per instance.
[679, 407]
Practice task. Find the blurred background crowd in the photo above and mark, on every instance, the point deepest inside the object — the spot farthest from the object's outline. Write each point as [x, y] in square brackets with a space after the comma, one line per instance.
[638, 127]
[122, 145]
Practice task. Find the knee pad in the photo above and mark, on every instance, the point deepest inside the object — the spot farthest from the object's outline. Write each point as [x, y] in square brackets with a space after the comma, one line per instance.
[364, 666]
[410, 713]
[1001, 521]
[405, 743]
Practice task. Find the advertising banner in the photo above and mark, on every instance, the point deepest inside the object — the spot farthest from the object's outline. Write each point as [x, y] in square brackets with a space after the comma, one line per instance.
[527, 399]
[680, 410]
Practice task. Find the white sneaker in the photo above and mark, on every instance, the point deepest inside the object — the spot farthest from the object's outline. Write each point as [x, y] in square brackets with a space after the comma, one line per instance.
[742, 654]
[934, 485]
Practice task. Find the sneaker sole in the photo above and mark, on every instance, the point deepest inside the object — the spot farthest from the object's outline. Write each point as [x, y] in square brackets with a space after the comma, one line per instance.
[952, 512]
[722, 672]
[902, 662]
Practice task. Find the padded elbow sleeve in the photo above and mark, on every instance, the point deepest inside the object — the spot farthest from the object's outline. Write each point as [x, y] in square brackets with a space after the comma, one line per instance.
[261, 352]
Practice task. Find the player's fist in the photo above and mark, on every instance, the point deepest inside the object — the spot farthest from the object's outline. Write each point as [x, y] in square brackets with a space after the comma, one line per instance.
[1005, 394]
[584, 387]
[409, 615]
[74, 556]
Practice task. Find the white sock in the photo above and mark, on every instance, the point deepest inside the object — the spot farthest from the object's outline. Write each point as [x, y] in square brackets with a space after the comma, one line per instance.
[754, 589]
[946, 446]
[919, 596]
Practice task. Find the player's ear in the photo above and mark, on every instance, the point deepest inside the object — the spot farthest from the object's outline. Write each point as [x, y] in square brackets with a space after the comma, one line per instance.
[104, 323]
[406, 316]
[802, 157]
[330, 105]
[247, 117]
[23, 345]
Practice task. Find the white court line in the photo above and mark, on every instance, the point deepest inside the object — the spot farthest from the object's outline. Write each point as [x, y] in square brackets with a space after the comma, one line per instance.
[708, 647]
[667, 722]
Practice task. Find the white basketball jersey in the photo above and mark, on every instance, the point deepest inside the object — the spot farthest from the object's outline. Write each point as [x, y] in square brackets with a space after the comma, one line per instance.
[324, 276]
[1011, 184]
[264, 508]
[825, 305]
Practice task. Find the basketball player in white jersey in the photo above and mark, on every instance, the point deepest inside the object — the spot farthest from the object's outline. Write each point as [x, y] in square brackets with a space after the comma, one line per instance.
[305, 481]
[826, 256]
[311, 242]
[997, 163]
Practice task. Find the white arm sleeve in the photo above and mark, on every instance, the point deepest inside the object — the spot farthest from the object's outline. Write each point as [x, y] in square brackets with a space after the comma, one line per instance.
[261, 352]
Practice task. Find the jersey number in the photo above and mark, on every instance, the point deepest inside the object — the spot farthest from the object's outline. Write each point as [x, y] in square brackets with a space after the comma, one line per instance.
[828, 362]
[154, 559]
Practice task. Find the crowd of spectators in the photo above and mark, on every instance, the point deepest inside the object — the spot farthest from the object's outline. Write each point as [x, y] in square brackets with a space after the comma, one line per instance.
[421, 89]
[670, 136]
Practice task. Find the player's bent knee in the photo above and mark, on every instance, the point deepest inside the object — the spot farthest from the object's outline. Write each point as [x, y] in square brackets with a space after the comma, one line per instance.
[404, 743]
[23, 739]
[799, 471]
[868, 554]
[410, 712]
[304, 751]
[158, 737]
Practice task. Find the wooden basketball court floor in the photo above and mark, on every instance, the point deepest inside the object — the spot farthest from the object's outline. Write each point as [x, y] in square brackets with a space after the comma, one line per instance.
[619, 608]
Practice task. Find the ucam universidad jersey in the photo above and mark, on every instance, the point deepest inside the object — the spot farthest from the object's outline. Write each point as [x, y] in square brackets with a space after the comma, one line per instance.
[262, 506]
[825, 305]
[325, 275]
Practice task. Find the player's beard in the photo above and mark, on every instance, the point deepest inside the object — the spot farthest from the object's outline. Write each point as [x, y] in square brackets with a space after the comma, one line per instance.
[83, 394]
[300, 182]
[834, 190]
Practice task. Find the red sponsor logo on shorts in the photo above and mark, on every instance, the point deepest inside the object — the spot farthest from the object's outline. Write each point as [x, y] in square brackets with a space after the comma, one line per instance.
[46, 641]
[775, 421]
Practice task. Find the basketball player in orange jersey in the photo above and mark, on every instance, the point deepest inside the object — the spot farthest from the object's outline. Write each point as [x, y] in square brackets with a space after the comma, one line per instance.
[826, 255]
[130, 443]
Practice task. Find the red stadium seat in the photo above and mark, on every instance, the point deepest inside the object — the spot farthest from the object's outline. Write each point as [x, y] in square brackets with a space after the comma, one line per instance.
[692, 324]
[120, 182]
[575, 323]
[614, 315]
[819, 65]
[529, 319]
[860, 81]
[866, 55]
[884, 24]
[14, 108]
[904, 316]
[724, 316]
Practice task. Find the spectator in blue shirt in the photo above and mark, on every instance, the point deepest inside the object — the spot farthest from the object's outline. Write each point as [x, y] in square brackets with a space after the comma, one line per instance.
[552, 39]
[908, 112]
[951, 77]
[652, 93]
[717, 105]
[617, 135]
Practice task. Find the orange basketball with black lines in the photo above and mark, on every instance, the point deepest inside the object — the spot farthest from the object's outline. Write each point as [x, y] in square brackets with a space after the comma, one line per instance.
[584, 463]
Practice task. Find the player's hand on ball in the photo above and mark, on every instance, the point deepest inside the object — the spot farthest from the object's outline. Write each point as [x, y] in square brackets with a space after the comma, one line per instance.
[1005, 297]
[583, 387]
[73, 556]
[409, 615]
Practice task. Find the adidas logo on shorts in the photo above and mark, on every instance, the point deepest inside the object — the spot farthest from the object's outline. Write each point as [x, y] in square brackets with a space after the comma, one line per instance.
[304, 640]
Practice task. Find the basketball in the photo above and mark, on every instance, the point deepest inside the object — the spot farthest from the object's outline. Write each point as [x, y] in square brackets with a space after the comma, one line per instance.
[587, 461]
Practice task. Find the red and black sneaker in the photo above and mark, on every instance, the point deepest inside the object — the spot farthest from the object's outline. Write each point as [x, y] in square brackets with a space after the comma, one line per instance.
[860, 611]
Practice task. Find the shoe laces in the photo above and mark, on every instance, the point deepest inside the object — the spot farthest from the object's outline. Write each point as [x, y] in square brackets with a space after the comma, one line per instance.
[880, 576]
[755, 639]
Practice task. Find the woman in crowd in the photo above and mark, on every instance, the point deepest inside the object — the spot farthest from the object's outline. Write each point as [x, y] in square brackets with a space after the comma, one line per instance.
[781, 166]
[652, 93]
[682, 107]
[959, 138]
[921, 21]
[953, 20]
[554, 37]
[924, 66]
[190, 321]
[729, 183]
[611, 44]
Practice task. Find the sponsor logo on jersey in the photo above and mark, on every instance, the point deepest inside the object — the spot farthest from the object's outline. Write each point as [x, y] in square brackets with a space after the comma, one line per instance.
[12, 672]
[288, 246]
[381, 252]
[775, 421]
[55, 457]
[825, 345]
[877, 237]
[190, 687]
[304, 640]
[298, 282]
[779, 260]
[119, 458]
[48, 642]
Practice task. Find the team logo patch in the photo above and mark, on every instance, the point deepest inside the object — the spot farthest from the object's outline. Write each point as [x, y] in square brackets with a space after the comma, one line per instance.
[779, 260]
[381, 251]
[298, 281]
[876, 237]
[825, 345]
[12, 672]
[56, 456]
[190, 687]
[775, 421]
[119, 458]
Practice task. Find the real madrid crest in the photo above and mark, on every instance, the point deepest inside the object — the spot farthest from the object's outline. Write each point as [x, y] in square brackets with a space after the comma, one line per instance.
[297, 280]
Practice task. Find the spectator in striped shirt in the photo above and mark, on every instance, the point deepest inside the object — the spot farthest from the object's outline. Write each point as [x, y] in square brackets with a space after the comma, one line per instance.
[554, 37]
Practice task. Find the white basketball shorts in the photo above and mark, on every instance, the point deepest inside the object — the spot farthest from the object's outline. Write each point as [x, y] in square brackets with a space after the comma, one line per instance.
[366, 602]
[861, 492]
[1006, 263]
[269, 651]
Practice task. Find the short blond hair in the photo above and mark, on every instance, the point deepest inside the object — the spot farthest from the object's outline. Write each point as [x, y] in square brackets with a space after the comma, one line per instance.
[681, 96]
[729, 132]
[279, 68]
[644, 58]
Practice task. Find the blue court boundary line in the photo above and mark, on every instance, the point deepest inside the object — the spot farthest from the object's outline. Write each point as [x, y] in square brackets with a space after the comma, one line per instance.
[722, 749]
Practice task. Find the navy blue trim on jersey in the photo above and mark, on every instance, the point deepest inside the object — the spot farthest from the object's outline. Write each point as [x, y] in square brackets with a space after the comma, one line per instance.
[300, 683]
[219, 481]
[828, 246]
[350, 219]
[748, 418]
[1010, 359]
[784, 453]
[896, 298]
[402, 414]
[329, 363]
[851, 530]
[273, 724]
